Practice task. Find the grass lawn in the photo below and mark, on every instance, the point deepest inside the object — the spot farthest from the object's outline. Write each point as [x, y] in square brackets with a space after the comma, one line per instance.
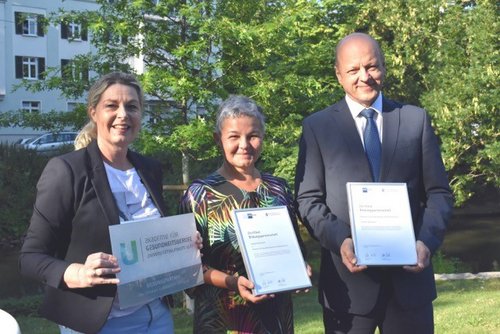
[469, 306]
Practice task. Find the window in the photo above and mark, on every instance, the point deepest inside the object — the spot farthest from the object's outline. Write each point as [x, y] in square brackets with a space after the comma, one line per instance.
[47, 139]
[115, 39]
[29, 67]
[73, 31]
[153, 113]
[71, 70]
[31, 106]
[29, 24]
[72, 106]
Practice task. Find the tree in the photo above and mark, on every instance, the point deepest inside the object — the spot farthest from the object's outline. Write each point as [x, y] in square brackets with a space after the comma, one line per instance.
[175, 42]
[281, 54]
[462, 91]
[54, 121]
[198, 52]
[439, 54]
[444, 56]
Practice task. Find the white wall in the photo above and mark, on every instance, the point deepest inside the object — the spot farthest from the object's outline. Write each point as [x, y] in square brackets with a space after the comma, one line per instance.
[51, 47]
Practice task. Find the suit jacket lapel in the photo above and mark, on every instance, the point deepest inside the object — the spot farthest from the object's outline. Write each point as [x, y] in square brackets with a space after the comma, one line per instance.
[99, 180]
[349, 132]
[391, 120]
[348, 129]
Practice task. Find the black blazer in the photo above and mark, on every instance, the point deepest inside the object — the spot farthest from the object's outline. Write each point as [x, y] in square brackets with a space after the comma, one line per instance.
[73, 209]
[330, 155]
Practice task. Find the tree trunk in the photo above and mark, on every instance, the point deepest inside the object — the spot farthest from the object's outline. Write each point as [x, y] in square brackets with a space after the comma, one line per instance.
[185, 168]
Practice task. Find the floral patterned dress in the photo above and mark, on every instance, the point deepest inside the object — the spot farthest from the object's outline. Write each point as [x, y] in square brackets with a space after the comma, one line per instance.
[220, 310]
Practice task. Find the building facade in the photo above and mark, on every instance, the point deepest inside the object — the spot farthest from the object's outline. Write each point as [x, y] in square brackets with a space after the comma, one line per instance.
[28, 48]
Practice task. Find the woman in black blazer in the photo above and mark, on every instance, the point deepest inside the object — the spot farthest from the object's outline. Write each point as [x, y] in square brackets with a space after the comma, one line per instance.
[80, 194]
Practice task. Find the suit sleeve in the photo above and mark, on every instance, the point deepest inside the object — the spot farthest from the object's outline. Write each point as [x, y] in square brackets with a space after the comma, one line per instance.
[48, 235]
[294, 217]
[310, 188]
[438, 196]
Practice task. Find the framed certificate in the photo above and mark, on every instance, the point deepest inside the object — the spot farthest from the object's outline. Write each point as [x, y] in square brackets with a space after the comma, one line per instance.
[157, 257]
[381, 224]
[270, 250]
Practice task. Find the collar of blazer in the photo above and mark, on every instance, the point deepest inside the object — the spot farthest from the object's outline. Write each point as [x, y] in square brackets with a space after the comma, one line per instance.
[99, 179]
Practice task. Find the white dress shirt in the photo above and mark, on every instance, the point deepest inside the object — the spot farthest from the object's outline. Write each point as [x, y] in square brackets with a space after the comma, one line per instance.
[355, 108]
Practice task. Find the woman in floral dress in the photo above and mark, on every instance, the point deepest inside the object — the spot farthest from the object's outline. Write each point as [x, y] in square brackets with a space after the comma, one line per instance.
[225, 304]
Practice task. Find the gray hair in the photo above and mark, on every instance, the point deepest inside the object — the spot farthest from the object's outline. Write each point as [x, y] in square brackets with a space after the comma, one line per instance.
[237, 106]
[89, 131]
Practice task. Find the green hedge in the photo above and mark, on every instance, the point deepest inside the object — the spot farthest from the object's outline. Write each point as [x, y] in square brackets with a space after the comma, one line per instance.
[19, 173]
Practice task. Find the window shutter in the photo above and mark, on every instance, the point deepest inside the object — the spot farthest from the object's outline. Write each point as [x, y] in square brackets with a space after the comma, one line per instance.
[85, 72]
[41, 68]
[19, 67]
[19, 22]
[40, 26]
[64, 30]
[84, 31]
[65, 74]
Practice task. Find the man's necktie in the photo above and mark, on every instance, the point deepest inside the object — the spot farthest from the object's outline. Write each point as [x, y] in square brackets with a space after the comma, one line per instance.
[372, 143]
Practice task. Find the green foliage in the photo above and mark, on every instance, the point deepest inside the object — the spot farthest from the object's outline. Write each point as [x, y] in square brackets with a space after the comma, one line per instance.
[53, 121]
[280, 147]
[463, 96]
[195, 139]
[19, 173]
[280, 54]
[443, 264]
[439, 54]
[26, 306]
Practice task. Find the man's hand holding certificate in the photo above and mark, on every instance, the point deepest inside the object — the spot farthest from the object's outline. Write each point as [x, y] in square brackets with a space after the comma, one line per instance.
[381, 224]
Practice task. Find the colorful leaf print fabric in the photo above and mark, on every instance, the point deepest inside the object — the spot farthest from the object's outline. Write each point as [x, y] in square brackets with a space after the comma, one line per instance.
[220, 310]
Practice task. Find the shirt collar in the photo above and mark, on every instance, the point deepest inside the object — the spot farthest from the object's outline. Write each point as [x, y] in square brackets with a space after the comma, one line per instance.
[355, 108]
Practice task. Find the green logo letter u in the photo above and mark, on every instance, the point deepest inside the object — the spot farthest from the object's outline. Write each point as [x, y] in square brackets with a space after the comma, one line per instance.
[129, 256]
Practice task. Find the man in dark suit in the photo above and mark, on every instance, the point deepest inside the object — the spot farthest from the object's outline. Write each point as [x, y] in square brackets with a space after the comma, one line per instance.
[355, 298]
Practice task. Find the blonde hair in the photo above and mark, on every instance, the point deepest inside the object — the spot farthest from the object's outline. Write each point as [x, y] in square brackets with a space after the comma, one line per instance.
[86, 135]
[89, 131]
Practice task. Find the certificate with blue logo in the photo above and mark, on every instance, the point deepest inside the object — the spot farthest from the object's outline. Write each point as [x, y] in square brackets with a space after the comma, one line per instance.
[270, 250]
[157, 257]
[381, 224]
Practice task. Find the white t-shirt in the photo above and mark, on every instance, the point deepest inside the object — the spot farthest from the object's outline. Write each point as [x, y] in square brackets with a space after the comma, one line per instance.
[131, 196]
[133, 203]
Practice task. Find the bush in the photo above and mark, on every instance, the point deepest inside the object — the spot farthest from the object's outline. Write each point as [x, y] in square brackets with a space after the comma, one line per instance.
[19, 173]
[26, 306]
[448, 265]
